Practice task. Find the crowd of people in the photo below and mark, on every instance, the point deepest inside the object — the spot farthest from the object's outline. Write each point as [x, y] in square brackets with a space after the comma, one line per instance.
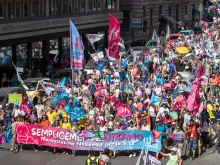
[172, 92]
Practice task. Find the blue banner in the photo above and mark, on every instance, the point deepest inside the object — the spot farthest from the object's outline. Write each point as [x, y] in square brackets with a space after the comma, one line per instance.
[129, 140]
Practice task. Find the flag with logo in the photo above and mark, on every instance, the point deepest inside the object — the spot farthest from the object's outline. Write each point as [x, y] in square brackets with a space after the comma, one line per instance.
[94, 37]
[97, 56]
[76, 48]
[114, 37]
[48, 87]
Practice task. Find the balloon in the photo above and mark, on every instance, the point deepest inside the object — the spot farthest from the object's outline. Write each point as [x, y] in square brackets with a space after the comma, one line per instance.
[116, 74]
[139, 105]
[178, 99]
[90, 81]
[148, 91]
[138, 93]
[107, 77]
[134, 72]
[98, 73]
[156, 134]
[96, 94]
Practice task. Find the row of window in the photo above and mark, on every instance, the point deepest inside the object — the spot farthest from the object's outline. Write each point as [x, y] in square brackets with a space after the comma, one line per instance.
[15, 9]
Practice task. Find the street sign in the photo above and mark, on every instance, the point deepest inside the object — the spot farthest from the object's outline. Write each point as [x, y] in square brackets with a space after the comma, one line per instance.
[136, 22]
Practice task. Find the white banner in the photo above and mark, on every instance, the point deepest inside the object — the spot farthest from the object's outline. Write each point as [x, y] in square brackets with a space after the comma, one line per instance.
[48, 87]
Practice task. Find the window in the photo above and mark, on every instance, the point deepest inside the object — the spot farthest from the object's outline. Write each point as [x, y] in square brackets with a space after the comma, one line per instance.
[26, 8]
[5, 56]
[51, 7]
[35, 8]
[42, 8]
[21, 56]
[177, 11]
[2, 10]
[90, 5]
[186, 8]
[170, 10]
[65, 6]
[37, 55]
[58, 7]
[18, 9]
[151, 17]
[70, 6]
[11, 10]
[82, 5]
[160, 9]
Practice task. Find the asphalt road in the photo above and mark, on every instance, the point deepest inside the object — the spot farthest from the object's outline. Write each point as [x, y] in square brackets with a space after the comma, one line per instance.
[29, 157]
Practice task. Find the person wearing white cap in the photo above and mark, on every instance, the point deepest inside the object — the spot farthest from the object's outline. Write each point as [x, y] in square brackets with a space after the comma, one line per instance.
[174, 159]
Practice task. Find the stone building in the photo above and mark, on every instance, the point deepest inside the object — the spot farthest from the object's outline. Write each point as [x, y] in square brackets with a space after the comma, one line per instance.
[147, 15]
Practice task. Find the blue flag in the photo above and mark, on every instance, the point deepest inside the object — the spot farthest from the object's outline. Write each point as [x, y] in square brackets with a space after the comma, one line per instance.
[100, 66]
[64, 96]
[55, 100]
[154, 98]
[122, 76]
[74, 113]
[76, 48]
[175, 92]
[62, 82]
[143, 67]
[125, 62]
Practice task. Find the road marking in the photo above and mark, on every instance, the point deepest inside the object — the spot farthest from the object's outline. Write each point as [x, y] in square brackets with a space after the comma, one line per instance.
[51, 162]
[62, 160]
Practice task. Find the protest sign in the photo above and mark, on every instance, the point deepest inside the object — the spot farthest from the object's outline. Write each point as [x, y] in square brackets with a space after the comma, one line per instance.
[14, 98]
[123, 111]
[62, 138]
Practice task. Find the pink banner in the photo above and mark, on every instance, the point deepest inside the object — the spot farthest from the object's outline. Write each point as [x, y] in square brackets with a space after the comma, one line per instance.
[114, 37]
[193, 100]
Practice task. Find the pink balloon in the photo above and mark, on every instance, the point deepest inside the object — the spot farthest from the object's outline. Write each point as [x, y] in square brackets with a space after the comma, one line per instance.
[90, 81]
[148, 91]
[139, 105]
[135, 72]
[96, 94]
[138, 93]
[98, 73]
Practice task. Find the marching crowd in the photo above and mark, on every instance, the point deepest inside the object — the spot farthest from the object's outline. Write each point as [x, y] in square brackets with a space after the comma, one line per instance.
[174, 93]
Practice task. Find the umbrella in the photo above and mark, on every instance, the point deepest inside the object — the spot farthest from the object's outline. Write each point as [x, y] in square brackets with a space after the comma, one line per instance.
[182, 50]
[185, 75]
[187, 89]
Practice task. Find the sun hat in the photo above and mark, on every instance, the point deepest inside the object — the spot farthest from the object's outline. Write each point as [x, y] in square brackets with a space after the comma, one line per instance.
[173, 149]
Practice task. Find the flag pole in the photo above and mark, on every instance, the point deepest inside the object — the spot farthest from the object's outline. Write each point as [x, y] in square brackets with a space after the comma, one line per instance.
[71, 56]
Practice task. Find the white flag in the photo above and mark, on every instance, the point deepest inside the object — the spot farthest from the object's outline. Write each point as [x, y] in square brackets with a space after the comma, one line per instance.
[94, 37]
[168, 32]
[155, 37]
[20, 79]
[48, 87]
[97, 56]
[121, 43]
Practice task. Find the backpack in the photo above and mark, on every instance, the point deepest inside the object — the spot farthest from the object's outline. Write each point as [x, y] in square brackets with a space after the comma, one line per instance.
[93, 162]
[104, 162]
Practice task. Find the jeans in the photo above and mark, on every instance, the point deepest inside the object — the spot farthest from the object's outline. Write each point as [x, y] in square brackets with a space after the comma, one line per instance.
[152, 121]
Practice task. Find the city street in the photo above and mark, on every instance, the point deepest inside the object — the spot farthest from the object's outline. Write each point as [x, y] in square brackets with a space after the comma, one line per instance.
[41, 158]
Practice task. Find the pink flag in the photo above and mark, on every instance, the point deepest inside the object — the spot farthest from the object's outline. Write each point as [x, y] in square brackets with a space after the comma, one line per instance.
[123, 111]
[193, 100]
[114, 37]
[200, 71]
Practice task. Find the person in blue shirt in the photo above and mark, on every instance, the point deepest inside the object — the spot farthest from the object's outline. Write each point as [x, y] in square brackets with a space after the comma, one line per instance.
[163, 129]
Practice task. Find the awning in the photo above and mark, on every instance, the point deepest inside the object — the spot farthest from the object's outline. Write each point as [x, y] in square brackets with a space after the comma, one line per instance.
[168, 18]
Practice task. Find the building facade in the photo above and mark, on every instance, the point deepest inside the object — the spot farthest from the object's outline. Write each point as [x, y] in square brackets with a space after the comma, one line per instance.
[143, 16]
[35, 33]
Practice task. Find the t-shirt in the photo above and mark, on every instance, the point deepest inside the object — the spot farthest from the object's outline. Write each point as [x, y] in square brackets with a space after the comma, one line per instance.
[193, 131]
[173, 160]
[45, 123]
[40, 110]
[162, 129]
[66, 126]
[210, 111]
[51, 116]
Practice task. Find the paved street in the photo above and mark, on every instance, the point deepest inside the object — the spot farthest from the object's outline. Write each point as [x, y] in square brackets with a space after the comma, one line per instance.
[40, 158]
